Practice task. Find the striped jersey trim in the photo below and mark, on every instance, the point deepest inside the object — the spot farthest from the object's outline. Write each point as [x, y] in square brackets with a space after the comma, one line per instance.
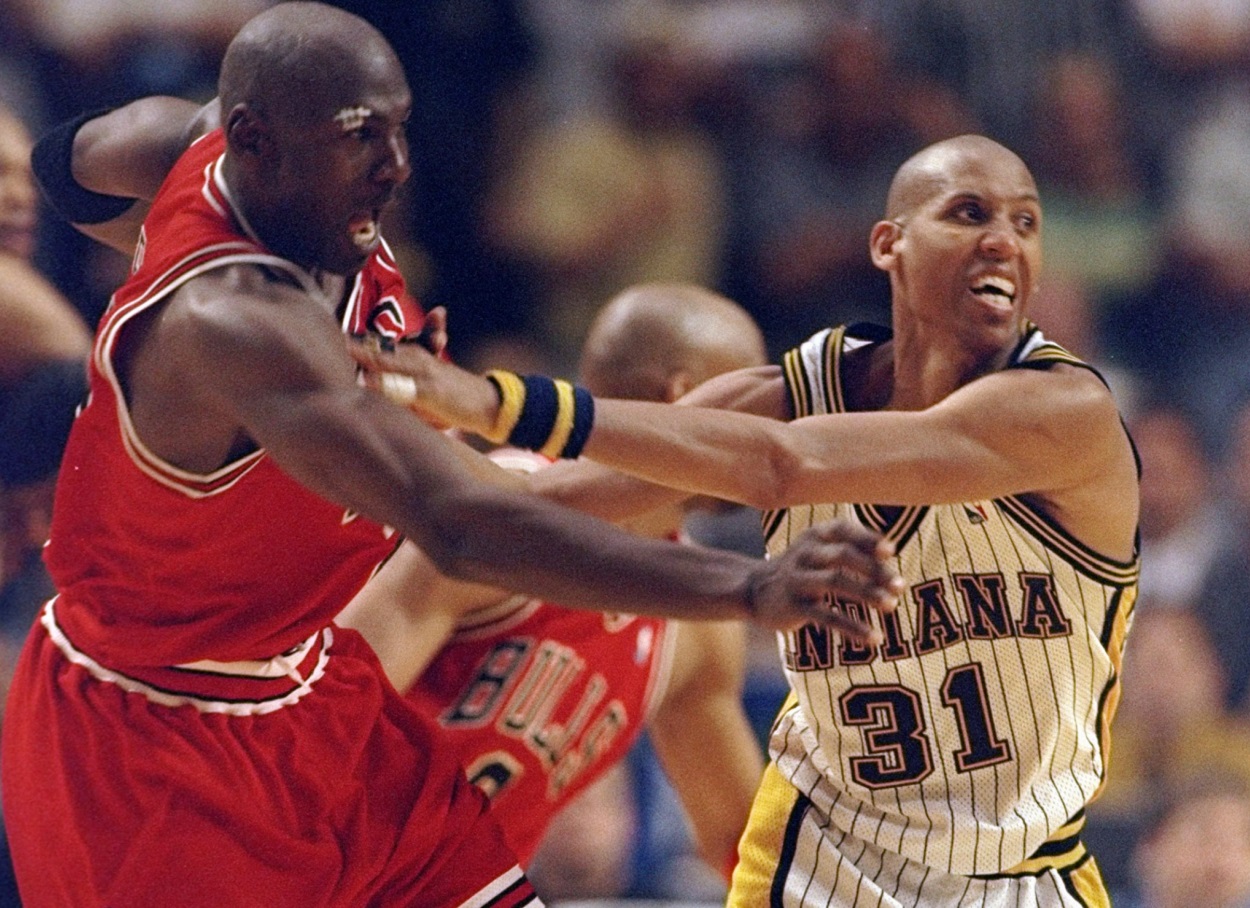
[222, 688]
[1064, 850]
[1119, 619]
[1056, 539]
[511, 889]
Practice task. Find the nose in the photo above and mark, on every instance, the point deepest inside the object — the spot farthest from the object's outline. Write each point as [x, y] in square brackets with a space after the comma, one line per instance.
[395, 167]
[1000, 240]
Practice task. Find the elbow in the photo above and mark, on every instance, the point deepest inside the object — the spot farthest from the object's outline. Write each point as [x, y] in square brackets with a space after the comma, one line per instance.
[455, 552]
[473, 534]
[774, 482]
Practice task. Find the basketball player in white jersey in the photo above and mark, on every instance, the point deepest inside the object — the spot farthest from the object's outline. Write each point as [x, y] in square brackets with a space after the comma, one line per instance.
[950, 761]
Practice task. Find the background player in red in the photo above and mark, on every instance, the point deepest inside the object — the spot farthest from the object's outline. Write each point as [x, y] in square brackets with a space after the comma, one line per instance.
[185, 725]
[539, 699]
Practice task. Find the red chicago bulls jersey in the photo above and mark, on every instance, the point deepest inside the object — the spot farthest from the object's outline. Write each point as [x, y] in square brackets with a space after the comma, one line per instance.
[184, 726]
[159, 566]
[539, 700]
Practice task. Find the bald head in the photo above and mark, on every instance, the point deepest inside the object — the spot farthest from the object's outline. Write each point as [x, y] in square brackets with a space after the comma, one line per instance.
[304, 60]
[934, 169]
[656, 341]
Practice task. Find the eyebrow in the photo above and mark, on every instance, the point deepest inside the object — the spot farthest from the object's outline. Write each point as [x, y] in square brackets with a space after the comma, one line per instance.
[350, 118]
[964, 195]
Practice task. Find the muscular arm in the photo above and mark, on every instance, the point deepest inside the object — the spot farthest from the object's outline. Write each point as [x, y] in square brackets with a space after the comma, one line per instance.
[613, 495]
[127, 152]
[701, 723]
[267, 363]
[1053, 435]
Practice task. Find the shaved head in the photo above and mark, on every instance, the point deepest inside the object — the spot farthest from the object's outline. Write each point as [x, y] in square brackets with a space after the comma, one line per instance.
[654, 341]
[304, 60]
[931, 170]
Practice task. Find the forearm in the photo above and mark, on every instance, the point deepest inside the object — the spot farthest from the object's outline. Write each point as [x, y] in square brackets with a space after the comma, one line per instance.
[600, 491]
[410, 477]
[129, 151]
[99, 173]
[735, 457]
[717, 804]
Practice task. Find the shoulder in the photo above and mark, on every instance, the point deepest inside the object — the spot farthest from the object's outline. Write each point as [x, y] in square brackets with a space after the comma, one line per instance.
[246, 311]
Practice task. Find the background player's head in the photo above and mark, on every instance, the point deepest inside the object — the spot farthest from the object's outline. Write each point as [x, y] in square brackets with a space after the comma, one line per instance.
[18, 197]
[657, 341]
[314, 103]
[961, 241]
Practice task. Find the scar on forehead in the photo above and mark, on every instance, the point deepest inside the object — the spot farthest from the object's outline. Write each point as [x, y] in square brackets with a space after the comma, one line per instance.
[350, 118]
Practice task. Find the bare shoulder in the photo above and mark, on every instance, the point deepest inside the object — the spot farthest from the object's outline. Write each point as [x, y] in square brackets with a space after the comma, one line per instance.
[1095, 495]
[707, 655]
[224, 346]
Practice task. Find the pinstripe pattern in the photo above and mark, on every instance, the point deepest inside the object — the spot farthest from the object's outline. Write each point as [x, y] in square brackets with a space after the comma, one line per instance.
[971, 740]
[791, 856]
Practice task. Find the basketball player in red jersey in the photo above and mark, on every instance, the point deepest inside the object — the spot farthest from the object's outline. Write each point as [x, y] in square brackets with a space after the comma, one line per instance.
[541, 700]
[185, 724]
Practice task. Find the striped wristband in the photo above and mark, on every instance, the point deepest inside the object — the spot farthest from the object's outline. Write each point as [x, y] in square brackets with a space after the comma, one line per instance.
[550, 416]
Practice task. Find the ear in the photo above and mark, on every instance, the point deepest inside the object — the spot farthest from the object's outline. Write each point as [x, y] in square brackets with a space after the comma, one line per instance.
[882, 241]
[248, 134]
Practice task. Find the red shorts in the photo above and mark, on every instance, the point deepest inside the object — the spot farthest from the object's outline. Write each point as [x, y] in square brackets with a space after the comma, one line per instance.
[128, 794]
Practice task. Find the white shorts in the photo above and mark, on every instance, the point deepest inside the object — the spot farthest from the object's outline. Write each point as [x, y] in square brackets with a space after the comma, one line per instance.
[791, 856]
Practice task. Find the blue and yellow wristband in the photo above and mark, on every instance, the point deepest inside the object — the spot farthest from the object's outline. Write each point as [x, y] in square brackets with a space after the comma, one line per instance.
[550, 416]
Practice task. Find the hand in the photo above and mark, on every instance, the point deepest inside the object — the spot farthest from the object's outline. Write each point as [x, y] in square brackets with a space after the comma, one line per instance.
[433, 335]
[838, 558]
[437, 390]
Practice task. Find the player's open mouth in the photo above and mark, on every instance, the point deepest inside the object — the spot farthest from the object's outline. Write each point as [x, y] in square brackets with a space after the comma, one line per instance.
[364, 230]
[997, 291]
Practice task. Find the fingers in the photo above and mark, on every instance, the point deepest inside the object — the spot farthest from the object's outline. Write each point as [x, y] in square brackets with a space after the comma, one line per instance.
[851, 561]
[379, 354]
[434, 332]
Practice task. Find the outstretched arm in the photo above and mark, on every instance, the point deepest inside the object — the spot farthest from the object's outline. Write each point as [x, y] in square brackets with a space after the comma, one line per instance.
[265, 358]
[1052, 435]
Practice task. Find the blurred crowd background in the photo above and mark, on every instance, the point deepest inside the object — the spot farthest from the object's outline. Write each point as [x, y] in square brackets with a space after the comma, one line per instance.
[563, 149]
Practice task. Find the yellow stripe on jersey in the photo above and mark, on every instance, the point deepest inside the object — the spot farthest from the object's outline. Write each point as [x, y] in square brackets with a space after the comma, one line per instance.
[1064, 850]
[1086, 883]
[765, 850]
[1121, 620]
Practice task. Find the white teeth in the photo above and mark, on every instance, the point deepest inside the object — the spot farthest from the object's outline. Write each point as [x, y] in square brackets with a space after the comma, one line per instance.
[1001, 284]
[365, 234]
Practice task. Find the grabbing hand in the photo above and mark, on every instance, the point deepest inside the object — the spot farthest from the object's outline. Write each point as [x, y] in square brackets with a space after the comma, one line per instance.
[435, 389]
[835, 559]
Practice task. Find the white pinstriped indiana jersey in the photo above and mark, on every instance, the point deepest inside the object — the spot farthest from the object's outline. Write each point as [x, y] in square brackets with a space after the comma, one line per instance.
[978, 729]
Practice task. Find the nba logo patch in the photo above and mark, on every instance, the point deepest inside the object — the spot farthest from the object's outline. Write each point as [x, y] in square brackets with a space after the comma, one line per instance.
[976, 513]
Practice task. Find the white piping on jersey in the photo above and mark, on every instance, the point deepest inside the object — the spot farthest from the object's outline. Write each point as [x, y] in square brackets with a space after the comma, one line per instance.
[165, 698]
[497, 887]
[191, 484]
[208, 196]
[283, 665]
[495, 619]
